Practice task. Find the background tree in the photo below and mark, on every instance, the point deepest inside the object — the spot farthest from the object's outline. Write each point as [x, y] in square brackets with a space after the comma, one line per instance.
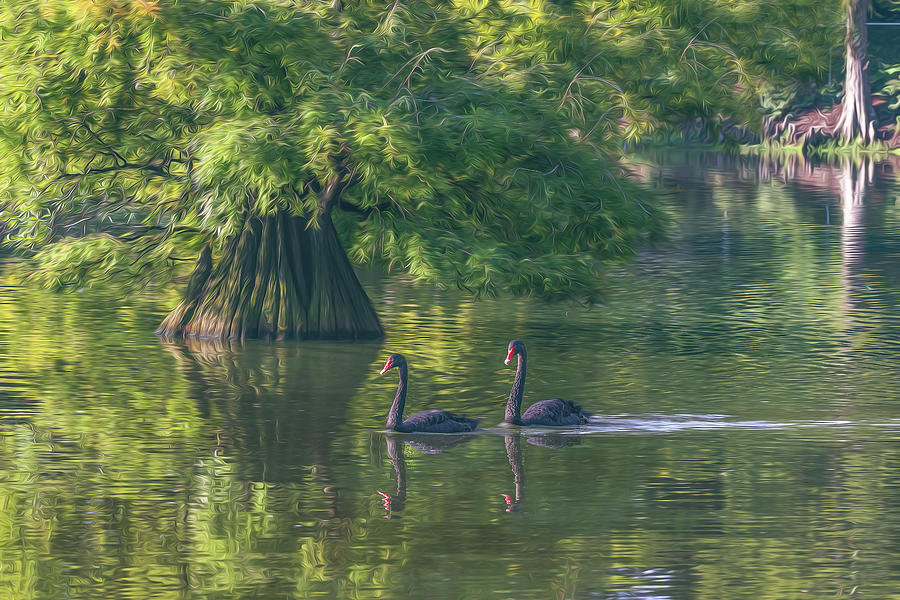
[697, 70]
[857, 117]
[436, 136]
[805, 106]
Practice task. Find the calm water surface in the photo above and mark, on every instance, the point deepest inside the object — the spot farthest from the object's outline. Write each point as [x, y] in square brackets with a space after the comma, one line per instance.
[748, 373]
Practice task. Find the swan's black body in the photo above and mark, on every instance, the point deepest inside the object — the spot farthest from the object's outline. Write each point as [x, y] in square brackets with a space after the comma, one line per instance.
[552, 412]
[427, 421]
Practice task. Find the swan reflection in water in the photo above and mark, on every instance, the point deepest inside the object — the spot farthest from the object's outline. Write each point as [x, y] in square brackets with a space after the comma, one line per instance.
[426, 444]
[436, 444]
[513, 443]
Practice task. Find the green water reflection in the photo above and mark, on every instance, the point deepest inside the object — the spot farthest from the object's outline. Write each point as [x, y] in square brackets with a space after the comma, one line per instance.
[750, 363]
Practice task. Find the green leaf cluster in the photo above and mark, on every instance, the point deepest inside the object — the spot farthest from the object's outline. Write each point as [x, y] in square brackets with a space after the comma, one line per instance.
[467, 142]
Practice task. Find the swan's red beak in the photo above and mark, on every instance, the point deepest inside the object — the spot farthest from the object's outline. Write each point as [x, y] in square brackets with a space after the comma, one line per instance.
[387, 366]
[512, 352]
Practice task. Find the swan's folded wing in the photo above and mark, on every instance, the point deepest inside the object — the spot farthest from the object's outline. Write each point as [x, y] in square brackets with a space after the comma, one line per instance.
[554, 411]
[439, 421]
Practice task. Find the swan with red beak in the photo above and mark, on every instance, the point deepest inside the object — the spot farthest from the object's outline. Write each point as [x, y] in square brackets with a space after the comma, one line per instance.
[427, 421]
[552, 412]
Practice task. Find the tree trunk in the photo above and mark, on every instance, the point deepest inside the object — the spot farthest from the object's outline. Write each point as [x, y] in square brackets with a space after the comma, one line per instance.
[281, 278]
[857, 115]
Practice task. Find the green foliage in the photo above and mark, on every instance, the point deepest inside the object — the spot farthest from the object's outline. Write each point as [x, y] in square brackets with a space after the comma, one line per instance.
[891, 87]
[884, 52]
[777, 100]
[97, 257]
[711, 62]
[467, 142]
[795, 95]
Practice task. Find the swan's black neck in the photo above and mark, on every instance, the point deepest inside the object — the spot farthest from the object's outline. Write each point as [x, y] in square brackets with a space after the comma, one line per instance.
[395, 416]
[514, 404]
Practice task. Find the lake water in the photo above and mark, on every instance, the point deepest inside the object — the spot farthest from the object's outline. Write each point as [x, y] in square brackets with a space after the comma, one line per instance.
[746, 373]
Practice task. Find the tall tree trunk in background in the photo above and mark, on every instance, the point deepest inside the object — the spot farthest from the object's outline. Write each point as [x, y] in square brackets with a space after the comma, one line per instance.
[281, 277]
[857, 116]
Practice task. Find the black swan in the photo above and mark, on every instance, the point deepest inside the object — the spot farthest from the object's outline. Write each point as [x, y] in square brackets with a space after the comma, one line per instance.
[554, 411]
[427, 421]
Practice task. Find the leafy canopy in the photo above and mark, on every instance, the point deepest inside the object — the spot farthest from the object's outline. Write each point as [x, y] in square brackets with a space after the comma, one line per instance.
[135, 130]
[470, 142]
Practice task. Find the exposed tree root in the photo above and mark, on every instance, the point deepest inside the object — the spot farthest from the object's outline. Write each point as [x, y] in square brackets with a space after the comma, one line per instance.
[281, 278]
[820, 124]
